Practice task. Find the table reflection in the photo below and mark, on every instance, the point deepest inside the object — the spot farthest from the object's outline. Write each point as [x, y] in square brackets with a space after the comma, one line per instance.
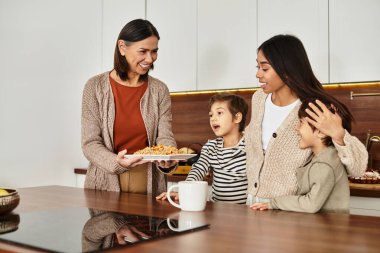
[85, 229]
[110, 229]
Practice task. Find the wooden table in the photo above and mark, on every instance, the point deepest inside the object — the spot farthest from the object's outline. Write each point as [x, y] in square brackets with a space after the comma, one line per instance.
[365, 190]
[359, 190]
[233, 228]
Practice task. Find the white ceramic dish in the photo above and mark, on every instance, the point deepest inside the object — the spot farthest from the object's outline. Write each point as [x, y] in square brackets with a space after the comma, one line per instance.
[179, 157]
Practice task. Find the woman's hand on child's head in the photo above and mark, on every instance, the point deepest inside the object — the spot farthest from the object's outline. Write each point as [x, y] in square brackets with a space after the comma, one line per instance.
[259, 206]
[162, 196]
[325, 121]
[130, 162]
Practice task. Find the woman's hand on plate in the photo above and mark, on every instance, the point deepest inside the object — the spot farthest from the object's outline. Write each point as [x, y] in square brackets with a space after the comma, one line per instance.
[130, 162]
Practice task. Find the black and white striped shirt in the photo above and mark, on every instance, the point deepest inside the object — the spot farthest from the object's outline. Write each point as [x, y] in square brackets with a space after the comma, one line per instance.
[229, 171]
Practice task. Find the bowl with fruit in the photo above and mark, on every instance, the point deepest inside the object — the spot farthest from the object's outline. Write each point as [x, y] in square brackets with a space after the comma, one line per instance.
[9, 200]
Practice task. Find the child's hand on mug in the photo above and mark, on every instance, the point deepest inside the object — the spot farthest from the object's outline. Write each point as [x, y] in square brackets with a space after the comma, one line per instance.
[259, 206]
[162, 196]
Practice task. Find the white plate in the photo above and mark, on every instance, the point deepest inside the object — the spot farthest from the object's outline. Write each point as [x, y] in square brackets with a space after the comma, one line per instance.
[179, 157]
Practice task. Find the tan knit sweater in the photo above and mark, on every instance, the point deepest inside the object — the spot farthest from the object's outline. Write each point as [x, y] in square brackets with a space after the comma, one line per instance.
[274, 173]
[98, 115]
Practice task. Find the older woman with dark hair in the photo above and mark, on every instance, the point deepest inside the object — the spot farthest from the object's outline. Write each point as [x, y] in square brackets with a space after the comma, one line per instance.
[125, 110]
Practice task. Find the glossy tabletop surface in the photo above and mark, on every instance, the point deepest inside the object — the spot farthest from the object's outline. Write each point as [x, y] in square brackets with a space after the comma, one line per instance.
[233, 228]
[90, 230]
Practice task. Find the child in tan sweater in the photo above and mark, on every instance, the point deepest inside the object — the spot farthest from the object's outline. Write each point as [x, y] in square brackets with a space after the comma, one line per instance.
[322, 180]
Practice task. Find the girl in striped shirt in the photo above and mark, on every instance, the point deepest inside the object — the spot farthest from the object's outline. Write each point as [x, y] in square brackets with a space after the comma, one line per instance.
[225, 155]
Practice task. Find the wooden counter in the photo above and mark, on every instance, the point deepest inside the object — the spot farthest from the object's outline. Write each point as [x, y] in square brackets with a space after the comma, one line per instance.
[365, 190]
[233, 228]
[360, 190]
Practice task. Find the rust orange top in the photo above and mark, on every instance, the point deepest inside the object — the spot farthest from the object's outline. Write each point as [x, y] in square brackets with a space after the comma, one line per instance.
[129, 130]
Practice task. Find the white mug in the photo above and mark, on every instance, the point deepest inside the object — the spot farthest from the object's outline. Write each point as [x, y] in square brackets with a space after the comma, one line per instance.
[192, 195]
[187, 220]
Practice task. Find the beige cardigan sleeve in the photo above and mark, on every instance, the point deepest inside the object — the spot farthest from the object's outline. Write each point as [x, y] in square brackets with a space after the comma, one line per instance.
[93, 143]
[353, 155]
[165, 134]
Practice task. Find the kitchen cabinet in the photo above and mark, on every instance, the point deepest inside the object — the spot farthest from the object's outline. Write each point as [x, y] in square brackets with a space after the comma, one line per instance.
[116, 14]
[79, 180]
[205, 45]
[365, 206]
[177, 56]
[211, 44]
[354, 40]
[48, 50]
[307, 20]
[227, 42]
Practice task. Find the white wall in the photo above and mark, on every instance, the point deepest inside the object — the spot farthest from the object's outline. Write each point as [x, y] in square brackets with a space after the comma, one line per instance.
[308, 20]
[177, 55]
[354, 40]
[48, 49]
[115, 14]
[227, 42]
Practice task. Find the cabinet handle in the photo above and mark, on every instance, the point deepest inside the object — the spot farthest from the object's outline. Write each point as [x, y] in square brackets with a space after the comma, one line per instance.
[369, 94]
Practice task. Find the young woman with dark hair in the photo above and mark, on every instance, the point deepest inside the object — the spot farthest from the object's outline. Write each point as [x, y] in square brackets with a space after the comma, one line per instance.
[273, 155]
[125, 110]
[322, 182]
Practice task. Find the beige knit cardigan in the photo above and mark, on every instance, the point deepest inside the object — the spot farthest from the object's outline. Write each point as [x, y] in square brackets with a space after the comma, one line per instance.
[273, 174]
[98, 115]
